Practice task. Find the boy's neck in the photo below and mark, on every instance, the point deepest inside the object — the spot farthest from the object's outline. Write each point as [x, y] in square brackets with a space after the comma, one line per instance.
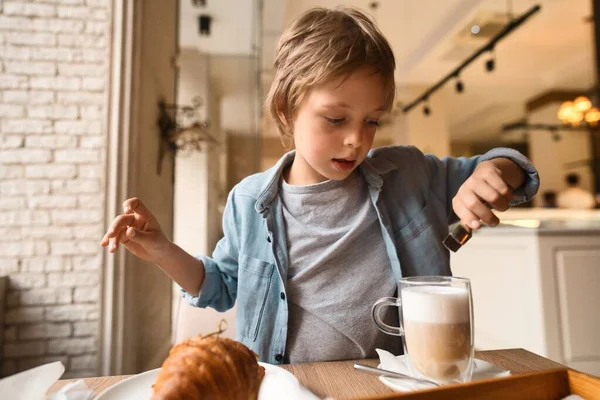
[286, 173]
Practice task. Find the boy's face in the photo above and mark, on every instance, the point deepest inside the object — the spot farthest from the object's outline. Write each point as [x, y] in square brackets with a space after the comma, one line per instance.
[334, 127]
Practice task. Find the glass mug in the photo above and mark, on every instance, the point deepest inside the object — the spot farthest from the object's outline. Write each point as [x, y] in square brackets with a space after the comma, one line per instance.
[436, 321]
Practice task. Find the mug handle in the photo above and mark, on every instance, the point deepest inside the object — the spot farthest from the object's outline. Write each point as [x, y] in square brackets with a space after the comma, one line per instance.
[376, 311]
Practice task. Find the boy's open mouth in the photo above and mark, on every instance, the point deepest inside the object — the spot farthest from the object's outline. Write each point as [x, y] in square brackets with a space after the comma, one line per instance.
[343, 163]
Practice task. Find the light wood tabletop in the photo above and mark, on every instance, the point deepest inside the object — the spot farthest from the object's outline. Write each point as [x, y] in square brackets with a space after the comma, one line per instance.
[339, 379]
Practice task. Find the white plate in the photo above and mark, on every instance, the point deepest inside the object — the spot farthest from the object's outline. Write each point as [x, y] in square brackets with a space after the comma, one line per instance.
[139, 387]
[481, 370]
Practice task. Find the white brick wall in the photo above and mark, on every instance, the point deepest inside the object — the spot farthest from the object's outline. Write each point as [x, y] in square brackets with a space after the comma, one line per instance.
[53, 94]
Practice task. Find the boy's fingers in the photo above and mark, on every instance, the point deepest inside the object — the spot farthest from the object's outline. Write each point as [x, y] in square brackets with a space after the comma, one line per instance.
[119, 238]
[113, 245]
[117, 225]
[491, 196]
[138, 236]
[106, 239]
[477, 207]
[500, 186]
[135, 205]
[467, 217]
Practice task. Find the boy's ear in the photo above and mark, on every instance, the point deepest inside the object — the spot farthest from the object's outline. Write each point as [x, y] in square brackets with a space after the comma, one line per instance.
[283, 119]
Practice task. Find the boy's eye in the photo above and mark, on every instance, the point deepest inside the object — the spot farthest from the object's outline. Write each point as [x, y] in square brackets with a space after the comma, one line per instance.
[334, 121]
[373, 122]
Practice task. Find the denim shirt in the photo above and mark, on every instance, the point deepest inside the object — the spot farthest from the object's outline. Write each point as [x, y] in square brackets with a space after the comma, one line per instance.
[412, 195]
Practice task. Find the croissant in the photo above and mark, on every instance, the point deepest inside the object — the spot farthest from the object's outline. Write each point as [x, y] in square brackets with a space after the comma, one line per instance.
[209, 368]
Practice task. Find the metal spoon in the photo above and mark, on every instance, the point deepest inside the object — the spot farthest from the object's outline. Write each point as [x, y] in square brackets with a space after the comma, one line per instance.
[391, 374]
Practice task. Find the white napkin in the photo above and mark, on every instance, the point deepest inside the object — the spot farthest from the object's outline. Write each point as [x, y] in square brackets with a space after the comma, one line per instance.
[76, 390]
[481, 370]
[278, 381]
[35, 382]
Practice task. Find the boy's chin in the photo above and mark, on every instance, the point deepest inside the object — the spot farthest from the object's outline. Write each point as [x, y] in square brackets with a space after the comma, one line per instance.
[336, 175]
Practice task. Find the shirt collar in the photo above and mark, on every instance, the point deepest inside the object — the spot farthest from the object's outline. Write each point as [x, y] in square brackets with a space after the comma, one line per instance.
[271, 187]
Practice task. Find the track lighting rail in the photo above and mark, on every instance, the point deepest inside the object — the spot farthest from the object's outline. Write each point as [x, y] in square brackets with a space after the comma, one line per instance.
[512, 25]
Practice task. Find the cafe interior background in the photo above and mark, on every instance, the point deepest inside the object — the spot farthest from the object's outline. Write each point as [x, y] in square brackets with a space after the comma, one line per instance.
[106, 99]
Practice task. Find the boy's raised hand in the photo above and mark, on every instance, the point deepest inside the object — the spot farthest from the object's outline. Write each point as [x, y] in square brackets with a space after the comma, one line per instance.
[484, 188]
[138, 230]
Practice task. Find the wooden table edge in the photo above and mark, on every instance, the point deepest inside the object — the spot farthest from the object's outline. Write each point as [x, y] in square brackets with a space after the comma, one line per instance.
[499, 357]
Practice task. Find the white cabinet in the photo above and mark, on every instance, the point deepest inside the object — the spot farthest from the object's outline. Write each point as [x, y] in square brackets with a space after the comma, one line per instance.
[578, 281]
[537, 289]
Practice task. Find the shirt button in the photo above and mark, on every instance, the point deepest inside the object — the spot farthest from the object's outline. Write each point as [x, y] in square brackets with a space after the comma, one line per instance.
[278, 357]
[282, 295]
[269, 239]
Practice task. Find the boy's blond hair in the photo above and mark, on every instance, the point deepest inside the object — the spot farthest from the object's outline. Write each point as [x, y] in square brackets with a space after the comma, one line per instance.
[321, 45]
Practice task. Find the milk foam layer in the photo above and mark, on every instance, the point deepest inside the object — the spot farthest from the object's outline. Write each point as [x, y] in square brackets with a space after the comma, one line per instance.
[435, 304]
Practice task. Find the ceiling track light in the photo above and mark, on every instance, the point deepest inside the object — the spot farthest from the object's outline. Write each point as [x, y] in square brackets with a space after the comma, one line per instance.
[490, 64]
[460, 86]
[426, 109]
[489, 47]
[552, 128]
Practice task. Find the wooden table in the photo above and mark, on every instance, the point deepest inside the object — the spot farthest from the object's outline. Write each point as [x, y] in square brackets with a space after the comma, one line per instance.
[340, 380]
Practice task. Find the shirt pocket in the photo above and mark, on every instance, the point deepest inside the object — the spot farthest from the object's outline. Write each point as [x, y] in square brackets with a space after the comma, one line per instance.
[419, 246]
[254, 279]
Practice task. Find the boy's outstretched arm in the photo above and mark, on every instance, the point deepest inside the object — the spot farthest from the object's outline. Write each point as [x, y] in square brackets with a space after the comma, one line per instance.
[462, 183]
[186, 270]
[490, 185]
[139, 231]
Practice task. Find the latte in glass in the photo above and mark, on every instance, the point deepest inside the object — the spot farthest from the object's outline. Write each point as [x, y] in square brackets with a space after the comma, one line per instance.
[437, 330]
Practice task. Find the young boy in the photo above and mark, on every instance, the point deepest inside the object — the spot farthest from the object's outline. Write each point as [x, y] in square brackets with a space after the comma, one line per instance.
[312, 243]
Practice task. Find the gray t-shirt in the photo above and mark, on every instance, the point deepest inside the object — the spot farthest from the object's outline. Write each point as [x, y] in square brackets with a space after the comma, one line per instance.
[338, 268]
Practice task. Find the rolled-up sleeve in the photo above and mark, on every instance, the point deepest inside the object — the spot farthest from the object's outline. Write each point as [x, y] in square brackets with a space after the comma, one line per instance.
[219, 289]
[532, 180]
[448, 174]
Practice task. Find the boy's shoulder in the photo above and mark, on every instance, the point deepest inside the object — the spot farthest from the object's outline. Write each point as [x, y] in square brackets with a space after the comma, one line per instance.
[394, 157]
[253, 185]
[257, 184]
[394, 150]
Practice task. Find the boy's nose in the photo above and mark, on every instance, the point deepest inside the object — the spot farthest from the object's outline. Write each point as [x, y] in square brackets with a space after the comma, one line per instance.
[353, 138]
